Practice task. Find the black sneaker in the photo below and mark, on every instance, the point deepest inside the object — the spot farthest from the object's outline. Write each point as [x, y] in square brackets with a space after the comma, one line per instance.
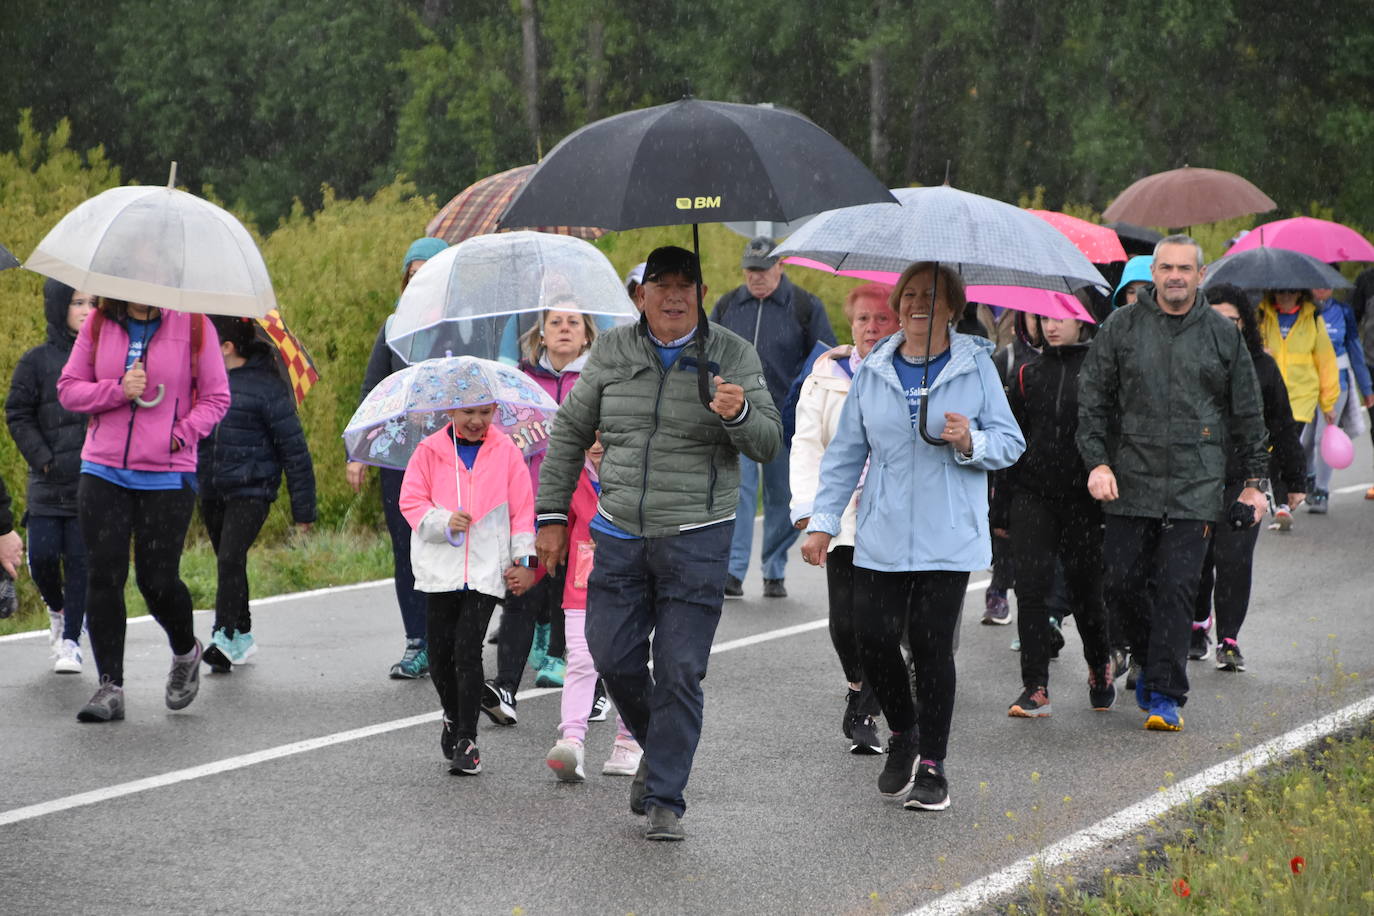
[1033, 703]
[637, 787]
[217, 660]
[773, 588]
[1197, 648]
[863, 737]
[900, 769]
[930, 789]
[447, 740]
[734, 588]
[664, 825]
[601, 704]
[1229, 657]
[851, 712]
[498, 703]
[1101, 688]
[466, 760]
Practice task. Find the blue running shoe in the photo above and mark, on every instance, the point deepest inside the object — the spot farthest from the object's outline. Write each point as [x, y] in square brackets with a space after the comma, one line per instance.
[1164, 714]
[539, 646]
[242, 647]
[414, 663]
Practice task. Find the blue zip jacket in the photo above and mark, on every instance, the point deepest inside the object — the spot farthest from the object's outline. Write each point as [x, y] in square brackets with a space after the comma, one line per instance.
[1344, 332]
[923, 507]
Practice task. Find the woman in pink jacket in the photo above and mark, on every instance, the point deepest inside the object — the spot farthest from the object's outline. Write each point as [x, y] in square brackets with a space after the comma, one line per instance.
[154, 385]
[468, 499]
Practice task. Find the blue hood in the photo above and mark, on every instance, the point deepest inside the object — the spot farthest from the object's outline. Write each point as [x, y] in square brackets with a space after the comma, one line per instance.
[1137, 268]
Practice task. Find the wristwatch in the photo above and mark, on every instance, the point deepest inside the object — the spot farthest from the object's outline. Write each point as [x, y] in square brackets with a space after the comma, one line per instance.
[1257, 483]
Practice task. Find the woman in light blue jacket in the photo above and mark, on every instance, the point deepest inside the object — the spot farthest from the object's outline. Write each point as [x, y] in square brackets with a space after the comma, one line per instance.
[923, 512]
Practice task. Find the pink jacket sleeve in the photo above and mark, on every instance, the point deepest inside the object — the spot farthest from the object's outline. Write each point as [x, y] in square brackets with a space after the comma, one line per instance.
[78, 389]
[520, 496]
[212, 390]
[416, 499]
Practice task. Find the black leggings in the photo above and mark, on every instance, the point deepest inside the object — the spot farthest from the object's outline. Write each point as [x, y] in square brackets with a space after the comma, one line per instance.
[456, 625]
[927, 605]
[233, 526]
[157, 520]
[839, 578]
[1226, 575]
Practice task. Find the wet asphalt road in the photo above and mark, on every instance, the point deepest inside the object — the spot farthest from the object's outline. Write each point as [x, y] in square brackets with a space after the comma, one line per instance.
[781, 819]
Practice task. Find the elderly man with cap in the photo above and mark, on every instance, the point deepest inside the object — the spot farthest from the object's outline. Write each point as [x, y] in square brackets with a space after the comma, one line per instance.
[784, 323]
[668, 484]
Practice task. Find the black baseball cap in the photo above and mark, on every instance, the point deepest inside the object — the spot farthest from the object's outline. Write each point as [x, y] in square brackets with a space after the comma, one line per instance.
[757, 254]
[671, 259]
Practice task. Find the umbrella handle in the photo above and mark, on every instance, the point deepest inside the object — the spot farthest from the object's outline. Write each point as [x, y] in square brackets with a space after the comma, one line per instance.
[161, 393]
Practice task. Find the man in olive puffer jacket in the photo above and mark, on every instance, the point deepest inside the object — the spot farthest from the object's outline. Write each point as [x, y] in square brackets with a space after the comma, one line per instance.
[668, 490]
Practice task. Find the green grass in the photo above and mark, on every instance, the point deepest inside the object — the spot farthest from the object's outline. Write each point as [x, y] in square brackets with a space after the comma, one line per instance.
[1294, 838]
[317, 560]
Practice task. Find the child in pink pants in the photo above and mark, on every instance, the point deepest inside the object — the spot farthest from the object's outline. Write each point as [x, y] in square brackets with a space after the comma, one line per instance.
[566, 758]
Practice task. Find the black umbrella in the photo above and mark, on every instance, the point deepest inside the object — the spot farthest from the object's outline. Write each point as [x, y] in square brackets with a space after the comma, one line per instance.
[7, 259]
[693, 161]
[1273, 268]
[1135, 239]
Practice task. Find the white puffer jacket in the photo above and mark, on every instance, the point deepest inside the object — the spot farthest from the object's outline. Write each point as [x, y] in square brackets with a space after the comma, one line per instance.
[818, 414]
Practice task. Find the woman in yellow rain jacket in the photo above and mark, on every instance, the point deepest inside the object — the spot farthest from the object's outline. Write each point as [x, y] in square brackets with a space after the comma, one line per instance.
[1295, 336]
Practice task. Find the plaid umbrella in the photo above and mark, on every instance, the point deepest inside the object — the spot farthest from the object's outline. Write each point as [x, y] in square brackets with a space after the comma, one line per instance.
[7, 259]
[293, 361]
[475, 209]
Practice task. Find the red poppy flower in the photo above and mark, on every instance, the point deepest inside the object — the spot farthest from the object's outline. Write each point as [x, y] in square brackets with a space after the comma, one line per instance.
[1297, 864]
[1181, 887]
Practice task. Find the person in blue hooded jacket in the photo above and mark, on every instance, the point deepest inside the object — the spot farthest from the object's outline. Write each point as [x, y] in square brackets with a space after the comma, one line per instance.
[1133, 277]
[923, 514]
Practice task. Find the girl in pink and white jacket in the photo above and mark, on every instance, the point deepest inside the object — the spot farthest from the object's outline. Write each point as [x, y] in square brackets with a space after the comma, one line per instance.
[468, 499]
[153, 384]
[567, 757]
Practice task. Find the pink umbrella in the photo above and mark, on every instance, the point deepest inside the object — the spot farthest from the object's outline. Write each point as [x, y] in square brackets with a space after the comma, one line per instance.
[1100, 244]
[1041, 302]
[1324, 240]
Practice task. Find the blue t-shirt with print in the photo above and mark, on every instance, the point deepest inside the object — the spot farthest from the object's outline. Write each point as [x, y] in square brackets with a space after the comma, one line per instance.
[910, 373]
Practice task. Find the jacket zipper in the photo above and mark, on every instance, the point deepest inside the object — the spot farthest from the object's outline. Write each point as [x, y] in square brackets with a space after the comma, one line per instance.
[1168, 431]
[172, 433]
[648, 443]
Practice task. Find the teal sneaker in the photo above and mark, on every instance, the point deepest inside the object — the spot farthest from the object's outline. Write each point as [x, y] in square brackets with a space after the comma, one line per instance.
[551, 673]
[414, 663]
[539, 648]
[242, 647]
[219, 654]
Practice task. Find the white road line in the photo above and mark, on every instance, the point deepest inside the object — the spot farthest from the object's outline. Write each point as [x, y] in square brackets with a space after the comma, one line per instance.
[95, 796]
[1356, 488]
[986, 890]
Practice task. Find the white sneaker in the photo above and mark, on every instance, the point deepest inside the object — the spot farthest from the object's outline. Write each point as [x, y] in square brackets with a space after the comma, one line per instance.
[565, 759]
[624, 759]
[68, 658]
[56, 622]
[1283, 520]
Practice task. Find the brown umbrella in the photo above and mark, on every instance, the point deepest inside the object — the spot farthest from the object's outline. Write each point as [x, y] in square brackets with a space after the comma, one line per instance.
[474, 210]
[1187, 197]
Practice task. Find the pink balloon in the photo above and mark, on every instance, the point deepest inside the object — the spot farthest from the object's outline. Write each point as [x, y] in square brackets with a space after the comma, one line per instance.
[1337, 449]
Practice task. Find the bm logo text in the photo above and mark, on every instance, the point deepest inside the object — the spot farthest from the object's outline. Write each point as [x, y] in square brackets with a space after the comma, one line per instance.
[697, 203]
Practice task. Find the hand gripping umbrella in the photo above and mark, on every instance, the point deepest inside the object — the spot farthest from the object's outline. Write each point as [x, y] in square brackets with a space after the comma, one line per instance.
[987, 242]
[693, 161]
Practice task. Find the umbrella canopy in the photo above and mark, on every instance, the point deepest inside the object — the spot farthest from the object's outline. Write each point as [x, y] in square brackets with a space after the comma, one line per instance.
[408, 405]
[1041, 302]
[1322, 239]
[7, 259]
[1188, 197]
[1137, 240]
[160, 247]
[987, 241]
[475, 210]
[294, 364]
[464, 299]
[1099, 244]
[693, 161]
[1273, 268]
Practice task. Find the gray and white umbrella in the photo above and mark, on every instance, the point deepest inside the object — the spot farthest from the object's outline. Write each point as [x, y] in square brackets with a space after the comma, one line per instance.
[987, 241]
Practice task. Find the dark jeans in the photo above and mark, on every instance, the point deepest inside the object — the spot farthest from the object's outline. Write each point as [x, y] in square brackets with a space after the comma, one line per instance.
[1153, 571]
[157, 520]
[926, 605]
[412, 603]
[233, 526]
[672, 587]
[519, 614]
[1003, 566]
[57, 562]
[457, 625]
[1226, 575]
[1069, 532]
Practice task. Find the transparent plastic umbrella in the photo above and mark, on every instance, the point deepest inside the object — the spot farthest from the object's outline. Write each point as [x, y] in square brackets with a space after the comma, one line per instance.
[477, 297]
[408, 405]
[160, 247]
